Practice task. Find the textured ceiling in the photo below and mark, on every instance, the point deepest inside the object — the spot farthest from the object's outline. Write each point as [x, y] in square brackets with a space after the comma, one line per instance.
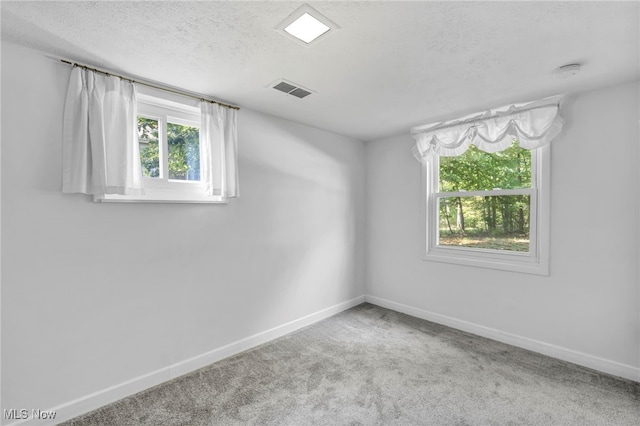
[392, 65]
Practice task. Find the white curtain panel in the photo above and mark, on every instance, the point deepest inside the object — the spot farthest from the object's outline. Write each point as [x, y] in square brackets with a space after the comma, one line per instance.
[219, 149]
[533, 124]
[100, 140]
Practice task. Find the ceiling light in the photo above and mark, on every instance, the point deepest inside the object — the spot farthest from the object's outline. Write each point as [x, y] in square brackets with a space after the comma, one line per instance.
[306, 26]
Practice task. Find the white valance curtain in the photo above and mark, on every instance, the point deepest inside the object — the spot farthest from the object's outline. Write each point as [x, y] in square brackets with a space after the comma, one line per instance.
[100, 136]
[219, 141]
[533, 124]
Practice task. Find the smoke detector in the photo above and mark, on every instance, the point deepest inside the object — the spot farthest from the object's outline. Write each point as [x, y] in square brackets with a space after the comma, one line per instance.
[567, 71]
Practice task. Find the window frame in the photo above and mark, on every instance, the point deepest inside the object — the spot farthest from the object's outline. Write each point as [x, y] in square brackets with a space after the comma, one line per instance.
[166, 108]
[536, 261]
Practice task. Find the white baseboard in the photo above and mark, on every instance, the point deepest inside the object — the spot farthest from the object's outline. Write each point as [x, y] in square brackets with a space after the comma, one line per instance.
[85, 404]
[580, 358]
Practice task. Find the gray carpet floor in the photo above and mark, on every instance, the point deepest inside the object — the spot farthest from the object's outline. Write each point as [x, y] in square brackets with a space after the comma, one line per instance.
[373, 366]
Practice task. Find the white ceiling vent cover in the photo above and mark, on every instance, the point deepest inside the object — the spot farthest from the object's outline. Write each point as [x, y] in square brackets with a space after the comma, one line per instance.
[290, 88]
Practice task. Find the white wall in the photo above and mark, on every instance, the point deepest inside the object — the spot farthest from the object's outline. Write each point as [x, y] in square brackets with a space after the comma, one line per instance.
[587, 310]
[94, 295]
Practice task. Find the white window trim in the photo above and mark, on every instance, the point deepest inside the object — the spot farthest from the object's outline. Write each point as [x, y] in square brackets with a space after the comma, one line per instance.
[534, 262]
[175, 109]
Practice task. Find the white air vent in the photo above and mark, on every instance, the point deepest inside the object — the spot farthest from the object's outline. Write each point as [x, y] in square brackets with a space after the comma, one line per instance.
[290, 88]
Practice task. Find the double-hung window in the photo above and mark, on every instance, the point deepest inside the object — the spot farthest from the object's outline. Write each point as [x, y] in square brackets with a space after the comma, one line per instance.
[489, 209]
[487, 186]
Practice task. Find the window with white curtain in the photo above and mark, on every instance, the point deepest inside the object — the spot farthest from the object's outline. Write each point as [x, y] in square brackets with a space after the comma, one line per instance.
[124, 142]
[168, 128]
[487, 187]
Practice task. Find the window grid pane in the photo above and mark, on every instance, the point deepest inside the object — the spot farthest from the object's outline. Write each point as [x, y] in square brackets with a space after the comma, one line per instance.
[477, 170]
[184, 152]
[149, 147]
[485, 222]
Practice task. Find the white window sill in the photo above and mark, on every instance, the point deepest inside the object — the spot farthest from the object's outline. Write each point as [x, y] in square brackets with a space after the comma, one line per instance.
[158, 196]
[165, 191]
[491, 259]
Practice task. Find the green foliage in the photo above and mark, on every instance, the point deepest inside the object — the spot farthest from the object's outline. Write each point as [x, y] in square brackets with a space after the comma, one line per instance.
[477, 170]
[183, 145]
[149, 152]
[184, 152]
[487, 216]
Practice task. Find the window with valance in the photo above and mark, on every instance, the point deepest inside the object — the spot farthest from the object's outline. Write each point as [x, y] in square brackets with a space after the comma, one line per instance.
[487, 186]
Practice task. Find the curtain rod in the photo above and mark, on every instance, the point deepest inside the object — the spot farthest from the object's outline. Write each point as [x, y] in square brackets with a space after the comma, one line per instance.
[166, 89]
